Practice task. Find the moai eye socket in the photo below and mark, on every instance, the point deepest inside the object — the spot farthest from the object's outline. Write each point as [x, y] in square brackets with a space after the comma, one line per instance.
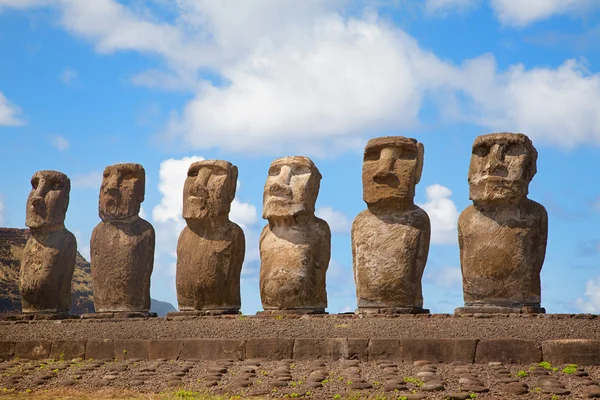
[482, 150]
[514, 149]
[372, 155]
[274, 170]
[35, 182]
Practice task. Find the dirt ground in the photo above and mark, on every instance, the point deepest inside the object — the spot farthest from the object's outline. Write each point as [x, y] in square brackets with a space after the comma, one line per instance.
[256, 379]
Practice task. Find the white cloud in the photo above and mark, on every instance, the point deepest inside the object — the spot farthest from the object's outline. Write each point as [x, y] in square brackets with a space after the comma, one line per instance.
[446, 278]
[446, 6]
[308, 76]
[337, 220]
[591, 302]
[90, 180]
[442, 213]
[60, 142]
[68, 76]
[522, 13]
[156, 79]
[9, 113]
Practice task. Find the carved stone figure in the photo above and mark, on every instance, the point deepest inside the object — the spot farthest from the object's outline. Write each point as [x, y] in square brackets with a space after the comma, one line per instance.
[295, 245]
[502, 236]
[122, 245]
[390, 239]
[49, 254]
[211, 248]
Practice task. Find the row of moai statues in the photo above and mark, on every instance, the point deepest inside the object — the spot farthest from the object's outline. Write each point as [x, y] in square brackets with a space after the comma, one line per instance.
[502, 237]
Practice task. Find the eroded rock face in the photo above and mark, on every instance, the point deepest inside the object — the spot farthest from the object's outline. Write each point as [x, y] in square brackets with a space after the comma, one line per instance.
[390, 240]
[502, 236]
[49, 255]
[122, 245]
[211, 248]
[295, 245]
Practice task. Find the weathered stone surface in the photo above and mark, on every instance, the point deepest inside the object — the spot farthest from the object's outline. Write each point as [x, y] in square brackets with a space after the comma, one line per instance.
[67, 349]
[100, 349]
[131, 348]
[211, 248]
[438, 350]
[270, 348]
[385, 349]
[7, 350]
[390, 240]
[33, 349]
[49, 255]
[295, 245]
[122, 245]
[572, 351]
[164, 348]
[213, 349]
[502, 236]
[515, 351]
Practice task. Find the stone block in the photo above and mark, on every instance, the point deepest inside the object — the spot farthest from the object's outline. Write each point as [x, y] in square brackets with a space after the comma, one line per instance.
[67, 349]
[270, 348]
[131, 348]
[358, 349]
[508, 351]
[572, 351]
[438, 350]
[384, 349]
[7, 350]
[33, 349]
[100, 349]
[169, 349]
[212, 349]
[308, 349]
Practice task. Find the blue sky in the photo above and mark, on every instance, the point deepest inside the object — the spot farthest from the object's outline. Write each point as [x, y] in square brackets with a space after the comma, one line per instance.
[87, 84]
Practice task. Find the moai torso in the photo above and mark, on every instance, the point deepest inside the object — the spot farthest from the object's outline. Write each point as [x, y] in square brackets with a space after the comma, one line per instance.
[211, 248]
[49, 254]
[122, 245]
[390, 253]
[390, 240]
[209, 266]
[295, 246]
[293, 266]
[502, 236]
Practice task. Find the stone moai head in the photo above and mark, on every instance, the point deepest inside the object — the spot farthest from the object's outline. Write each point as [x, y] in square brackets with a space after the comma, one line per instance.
[292, 187]
[209, 189]
[502, 165]
[122, 191]
[48, 200]
[392, 167]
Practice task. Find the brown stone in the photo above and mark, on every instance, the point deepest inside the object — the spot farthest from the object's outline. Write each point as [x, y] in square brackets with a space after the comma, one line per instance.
[502, 236]
[384, 349]
[390, 240]
[211, 248]
[49, 254]
[165, 348]
[439, 350]
[131, 348]
[122, 245]
[33, 349]
[100, 349]
[572, 351]
[295, 246]
[67, 349]
[270, 348]
[212, 349]
[7, 350]
[515, 351]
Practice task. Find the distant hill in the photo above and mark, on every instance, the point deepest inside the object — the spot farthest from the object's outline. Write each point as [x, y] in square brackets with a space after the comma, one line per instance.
[12, 242]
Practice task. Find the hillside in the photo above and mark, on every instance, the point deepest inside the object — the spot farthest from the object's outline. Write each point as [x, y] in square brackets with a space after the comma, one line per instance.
[12, 242]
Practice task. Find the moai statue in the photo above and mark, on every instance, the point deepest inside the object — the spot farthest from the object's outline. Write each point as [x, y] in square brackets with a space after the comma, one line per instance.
[211, 248]
[49, 254]
[502, 236]
[122, 245]
[295, 246]
[390, 239]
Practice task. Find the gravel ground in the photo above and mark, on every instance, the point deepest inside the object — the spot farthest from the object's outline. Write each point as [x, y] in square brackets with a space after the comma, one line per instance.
[537, 328]
[347, 379]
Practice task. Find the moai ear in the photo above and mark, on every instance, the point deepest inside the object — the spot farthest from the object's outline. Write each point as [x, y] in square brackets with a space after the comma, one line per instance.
[532, 167]
[234, 177]
[420, 156]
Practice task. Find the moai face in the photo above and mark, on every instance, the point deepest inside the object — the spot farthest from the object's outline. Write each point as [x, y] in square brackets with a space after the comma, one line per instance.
[122, 191]
[48, 200]
[291, 188]
[502, 165]
[209, 189]
[392, 167]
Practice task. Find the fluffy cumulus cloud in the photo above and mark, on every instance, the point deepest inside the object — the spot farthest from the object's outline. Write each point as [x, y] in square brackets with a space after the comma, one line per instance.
[9, 113]
[442, 213]
[337, 220]
[168, 223]
[267, 75]
[590, 303]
